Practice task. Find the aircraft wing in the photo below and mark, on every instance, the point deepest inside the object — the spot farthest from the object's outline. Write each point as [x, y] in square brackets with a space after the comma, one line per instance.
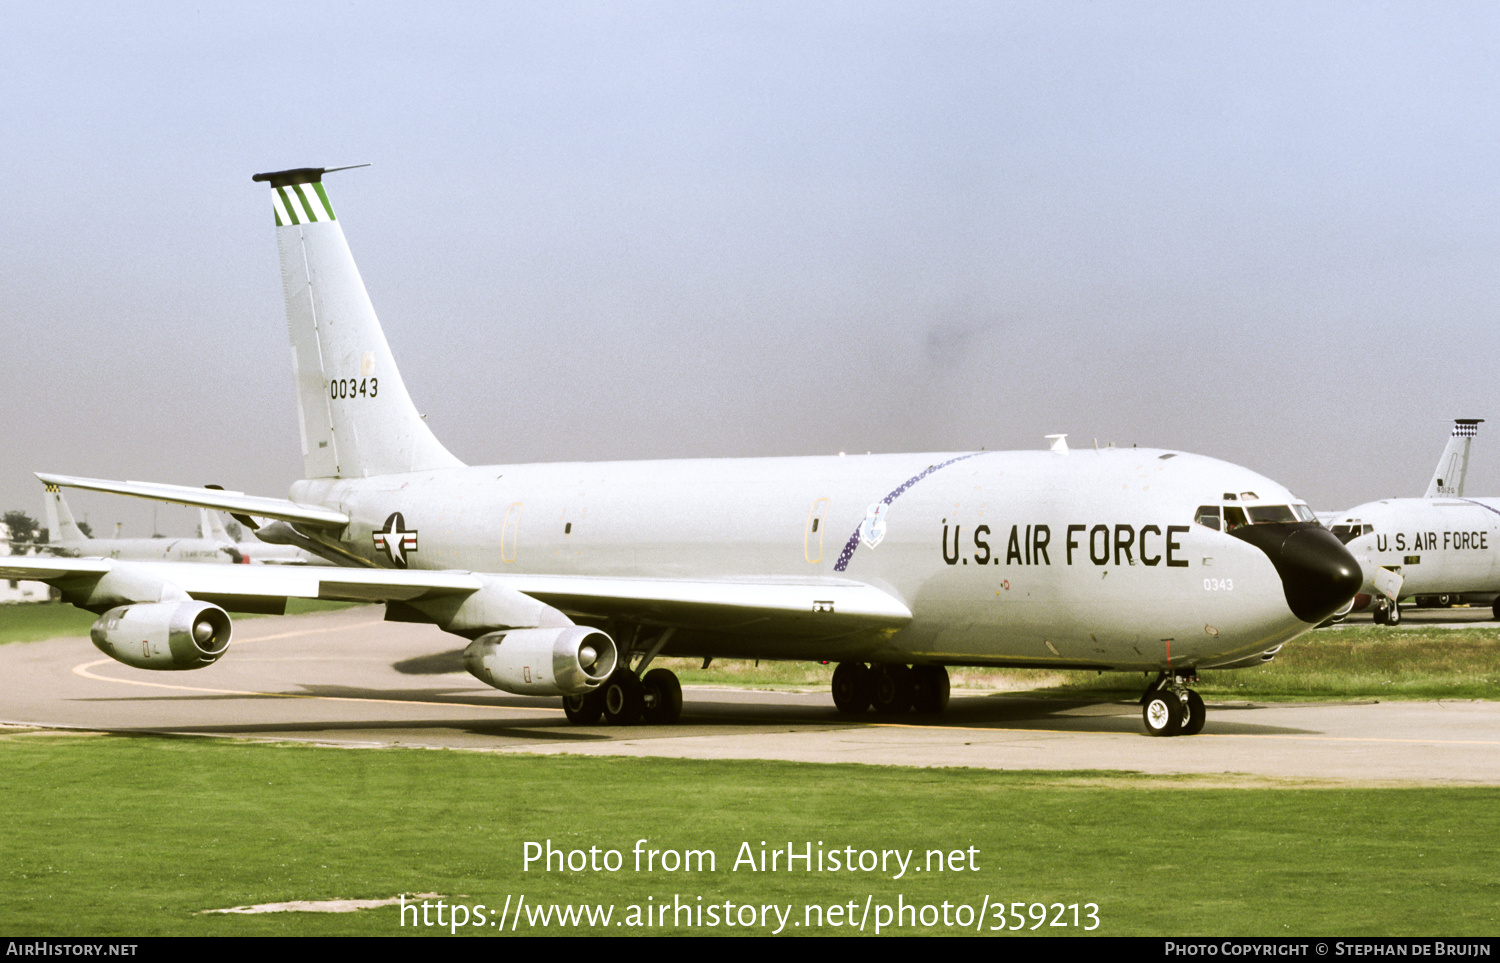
[313, 516]
[818, 606]
[812, 608]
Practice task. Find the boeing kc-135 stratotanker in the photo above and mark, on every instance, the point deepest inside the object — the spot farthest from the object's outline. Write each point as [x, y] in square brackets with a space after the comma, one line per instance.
[571, 579]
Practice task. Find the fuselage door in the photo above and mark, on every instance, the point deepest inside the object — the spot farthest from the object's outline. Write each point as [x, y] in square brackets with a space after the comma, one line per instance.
[509, 533]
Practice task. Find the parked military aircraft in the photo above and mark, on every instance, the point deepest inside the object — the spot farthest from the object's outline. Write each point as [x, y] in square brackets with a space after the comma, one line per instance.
[1431, 548]
[570, 579]
[214, 545]
[1435, 546]
[67, 540]
[253, 550]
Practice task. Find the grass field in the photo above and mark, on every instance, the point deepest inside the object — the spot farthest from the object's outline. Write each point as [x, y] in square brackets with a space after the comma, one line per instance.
[139, 836]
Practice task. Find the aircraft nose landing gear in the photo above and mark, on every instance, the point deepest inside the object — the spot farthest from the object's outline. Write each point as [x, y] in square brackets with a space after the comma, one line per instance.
[1170, 708]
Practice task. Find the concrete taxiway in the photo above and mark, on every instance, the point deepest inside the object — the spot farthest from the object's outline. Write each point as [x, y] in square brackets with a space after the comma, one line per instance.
[348, 678]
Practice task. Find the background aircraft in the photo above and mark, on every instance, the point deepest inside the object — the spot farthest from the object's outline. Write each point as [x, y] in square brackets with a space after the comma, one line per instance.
[213, 545]
[252, 549]
[1436, 548]
[570, 579]
[66, 539]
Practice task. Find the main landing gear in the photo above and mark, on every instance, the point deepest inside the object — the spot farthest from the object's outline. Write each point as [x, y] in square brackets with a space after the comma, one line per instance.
[1387, 612]
[1170, 708]
[629, 697]
[889, 689]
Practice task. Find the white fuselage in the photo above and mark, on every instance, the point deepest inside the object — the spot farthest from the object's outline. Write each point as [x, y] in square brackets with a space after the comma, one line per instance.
[1438, 546]
[201, 550]
[1083, 558]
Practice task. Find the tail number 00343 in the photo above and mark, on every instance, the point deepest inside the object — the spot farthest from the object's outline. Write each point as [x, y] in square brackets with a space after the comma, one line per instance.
[353, 388]
[1218, 585]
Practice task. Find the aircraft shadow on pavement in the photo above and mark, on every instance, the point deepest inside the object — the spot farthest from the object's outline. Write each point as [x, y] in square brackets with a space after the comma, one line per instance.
[733, 711]
[436, 663]
[397, 728]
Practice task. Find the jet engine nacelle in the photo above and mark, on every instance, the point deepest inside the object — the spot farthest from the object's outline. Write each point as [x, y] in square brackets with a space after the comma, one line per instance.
[570, 660]
[163, 635]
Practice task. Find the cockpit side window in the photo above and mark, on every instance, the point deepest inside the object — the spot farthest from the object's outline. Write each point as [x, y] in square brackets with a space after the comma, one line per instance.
[1234, 517]
[1207, 516]
[1347, 532]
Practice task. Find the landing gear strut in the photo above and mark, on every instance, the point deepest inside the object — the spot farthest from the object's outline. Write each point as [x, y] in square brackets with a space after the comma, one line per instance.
[891, 689]
[631, 696]
[1170, 708]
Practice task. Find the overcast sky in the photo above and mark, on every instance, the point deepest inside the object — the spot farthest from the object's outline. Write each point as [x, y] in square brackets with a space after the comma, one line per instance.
[1264, 232]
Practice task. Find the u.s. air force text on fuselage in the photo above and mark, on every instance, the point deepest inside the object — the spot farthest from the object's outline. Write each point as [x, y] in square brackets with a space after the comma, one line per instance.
[1030, 545]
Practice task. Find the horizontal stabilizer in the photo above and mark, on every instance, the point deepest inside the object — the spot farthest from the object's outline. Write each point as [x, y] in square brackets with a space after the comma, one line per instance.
[238, 502]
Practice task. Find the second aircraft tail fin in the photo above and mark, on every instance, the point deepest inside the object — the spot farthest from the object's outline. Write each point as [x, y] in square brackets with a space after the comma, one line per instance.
[61, 528]
[210, 527]
[353, 410]
[1453, 467]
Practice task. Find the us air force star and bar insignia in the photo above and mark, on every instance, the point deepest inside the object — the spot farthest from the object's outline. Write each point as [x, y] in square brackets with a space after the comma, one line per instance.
[394, 540]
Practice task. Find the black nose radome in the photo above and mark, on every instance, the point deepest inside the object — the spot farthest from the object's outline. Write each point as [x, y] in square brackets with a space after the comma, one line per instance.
[1318, 574]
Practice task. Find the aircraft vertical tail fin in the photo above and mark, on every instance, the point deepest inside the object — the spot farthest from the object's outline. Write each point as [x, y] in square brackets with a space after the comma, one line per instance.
[354, 413]
[210, 527]
[61, 528]
[1453, 467]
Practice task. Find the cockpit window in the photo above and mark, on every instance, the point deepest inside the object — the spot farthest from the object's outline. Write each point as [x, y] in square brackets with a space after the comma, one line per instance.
[1347, 532]
[1229, 517]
